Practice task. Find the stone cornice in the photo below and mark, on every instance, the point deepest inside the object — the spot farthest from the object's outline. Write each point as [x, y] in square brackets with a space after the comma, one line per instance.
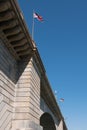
[14, 29]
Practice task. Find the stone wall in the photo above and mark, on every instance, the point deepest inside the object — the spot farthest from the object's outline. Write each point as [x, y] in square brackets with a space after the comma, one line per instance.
[8, 71]
[27, 96]
[21, 104]
[19, 92]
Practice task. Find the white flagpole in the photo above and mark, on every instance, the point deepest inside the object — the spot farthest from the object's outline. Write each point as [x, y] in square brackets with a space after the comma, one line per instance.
[33, 27]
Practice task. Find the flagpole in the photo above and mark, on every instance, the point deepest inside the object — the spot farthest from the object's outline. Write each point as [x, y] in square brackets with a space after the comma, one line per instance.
[33, 27]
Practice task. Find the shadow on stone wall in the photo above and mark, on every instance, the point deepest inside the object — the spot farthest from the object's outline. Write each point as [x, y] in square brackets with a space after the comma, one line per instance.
[11, 67]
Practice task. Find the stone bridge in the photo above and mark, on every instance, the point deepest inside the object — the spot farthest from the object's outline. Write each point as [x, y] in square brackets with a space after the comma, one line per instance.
[26, 98]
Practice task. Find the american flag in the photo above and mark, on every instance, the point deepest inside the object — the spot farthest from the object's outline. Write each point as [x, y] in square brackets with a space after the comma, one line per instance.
[37, 16]
[61, 99]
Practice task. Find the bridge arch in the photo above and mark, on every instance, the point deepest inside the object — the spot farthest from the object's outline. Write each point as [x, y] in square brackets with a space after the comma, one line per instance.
[47, 122]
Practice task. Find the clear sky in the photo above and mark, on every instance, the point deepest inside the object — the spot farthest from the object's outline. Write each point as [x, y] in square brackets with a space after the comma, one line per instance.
[62, 43]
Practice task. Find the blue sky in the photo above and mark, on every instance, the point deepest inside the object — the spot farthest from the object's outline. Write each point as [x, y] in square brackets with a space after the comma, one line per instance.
[62, 43]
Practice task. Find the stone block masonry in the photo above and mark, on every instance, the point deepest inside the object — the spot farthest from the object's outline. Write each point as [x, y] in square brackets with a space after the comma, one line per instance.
[19, 92]
[8, 69]
[27, 96]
